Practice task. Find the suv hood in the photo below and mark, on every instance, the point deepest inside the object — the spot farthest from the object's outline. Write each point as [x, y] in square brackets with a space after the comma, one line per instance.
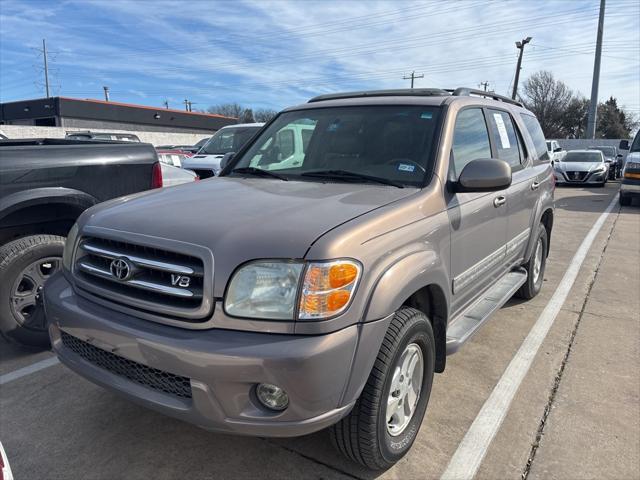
[242, 219]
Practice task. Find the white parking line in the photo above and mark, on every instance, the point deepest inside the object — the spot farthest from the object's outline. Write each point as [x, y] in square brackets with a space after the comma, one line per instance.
[28, 370]
[467, 459]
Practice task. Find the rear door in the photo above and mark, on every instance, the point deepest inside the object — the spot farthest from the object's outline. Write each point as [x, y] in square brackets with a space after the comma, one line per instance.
[523, 193]
[478, 220]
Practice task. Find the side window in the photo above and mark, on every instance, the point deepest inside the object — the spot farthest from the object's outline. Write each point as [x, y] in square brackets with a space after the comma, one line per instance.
[285, 142]
[505, 138]
[539, 143]
[470, 139]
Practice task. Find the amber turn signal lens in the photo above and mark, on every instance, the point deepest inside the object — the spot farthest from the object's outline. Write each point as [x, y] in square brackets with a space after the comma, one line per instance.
[328, 288]
[338, 299]
[342, 274]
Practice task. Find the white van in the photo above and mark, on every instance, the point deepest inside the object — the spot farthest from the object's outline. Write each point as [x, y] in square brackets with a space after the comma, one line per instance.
[206, 163]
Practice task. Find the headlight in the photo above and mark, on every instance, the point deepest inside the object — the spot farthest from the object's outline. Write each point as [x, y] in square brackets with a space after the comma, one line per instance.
[264, 289]
[632, 166]
[270, 289]
[328, 288]
[67, 254]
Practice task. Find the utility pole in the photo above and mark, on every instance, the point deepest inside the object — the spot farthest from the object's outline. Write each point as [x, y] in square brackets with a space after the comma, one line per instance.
[166, 104]
[412, 77]
[46, 67]
[190, 104]
[106, 93]
[186, 104]
[484, 85]
[520, 46]
[593, 105]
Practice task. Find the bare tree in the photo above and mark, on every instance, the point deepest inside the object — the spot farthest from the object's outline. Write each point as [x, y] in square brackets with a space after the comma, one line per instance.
[264, 114]
[549, 99]
[234, 110]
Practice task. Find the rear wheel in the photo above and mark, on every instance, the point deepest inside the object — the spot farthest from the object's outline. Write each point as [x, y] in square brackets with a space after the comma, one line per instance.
[25, 266]
[535, 266]
[385, 420]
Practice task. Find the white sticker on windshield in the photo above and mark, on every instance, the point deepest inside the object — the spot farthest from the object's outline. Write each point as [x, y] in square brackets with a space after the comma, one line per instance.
[502, 130]
[406, 167]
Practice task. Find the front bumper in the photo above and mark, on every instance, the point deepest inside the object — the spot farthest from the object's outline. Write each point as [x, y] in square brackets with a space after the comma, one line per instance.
[221, 367]
[562, 178]
[630, 187]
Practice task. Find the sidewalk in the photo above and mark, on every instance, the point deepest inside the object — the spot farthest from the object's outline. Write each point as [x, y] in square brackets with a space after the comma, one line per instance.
[593, 428]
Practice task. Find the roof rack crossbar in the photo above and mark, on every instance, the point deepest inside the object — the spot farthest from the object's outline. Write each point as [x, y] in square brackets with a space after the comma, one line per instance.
[465, 92]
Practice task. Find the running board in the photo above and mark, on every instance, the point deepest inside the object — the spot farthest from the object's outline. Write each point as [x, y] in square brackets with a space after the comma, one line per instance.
[465, 325]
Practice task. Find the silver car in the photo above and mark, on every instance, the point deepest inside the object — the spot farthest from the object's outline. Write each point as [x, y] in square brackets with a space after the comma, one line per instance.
[582, 167]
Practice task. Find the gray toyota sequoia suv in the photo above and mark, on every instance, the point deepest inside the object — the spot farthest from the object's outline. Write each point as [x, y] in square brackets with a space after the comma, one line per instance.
[323, 278]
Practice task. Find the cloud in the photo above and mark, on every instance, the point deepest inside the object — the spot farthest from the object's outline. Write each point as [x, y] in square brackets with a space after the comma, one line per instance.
[278, 53]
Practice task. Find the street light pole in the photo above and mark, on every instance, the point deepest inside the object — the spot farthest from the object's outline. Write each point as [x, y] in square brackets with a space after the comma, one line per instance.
[520, 46]
[593, 106]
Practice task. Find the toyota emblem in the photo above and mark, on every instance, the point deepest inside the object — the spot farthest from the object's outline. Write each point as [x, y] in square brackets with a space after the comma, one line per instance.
[121, 269]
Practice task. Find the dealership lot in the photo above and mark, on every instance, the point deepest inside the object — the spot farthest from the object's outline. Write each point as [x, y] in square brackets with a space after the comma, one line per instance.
[54, 424]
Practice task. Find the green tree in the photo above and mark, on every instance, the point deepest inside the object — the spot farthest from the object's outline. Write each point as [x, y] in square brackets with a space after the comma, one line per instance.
[613, 122]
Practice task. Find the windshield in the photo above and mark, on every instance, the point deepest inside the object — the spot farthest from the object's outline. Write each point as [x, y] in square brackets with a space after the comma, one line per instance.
[228, 140]
[549, 146]
[392, 143]
[608, 151]
[583, 157]
[636, 143]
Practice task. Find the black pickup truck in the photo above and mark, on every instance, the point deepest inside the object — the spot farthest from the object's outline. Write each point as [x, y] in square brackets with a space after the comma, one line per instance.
[45, 184]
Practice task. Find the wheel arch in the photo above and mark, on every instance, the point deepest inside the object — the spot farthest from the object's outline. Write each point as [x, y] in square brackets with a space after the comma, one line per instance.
[41, 210]
[419, 281]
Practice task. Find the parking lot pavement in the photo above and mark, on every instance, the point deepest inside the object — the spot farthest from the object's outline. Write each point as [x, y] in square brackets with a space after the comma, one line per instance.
[53, 424]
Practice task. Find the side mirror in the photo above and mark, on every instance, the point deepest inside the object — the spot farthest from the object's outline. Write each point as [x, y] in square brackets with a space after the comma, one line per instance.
[226, 159]
[484, 175]
[624, 145]
[619, 155]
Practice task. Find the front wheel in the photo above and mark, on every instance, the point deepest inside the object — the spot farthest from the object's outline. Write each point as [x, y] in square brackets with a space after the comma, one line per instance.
[25, 265]
[385, 420]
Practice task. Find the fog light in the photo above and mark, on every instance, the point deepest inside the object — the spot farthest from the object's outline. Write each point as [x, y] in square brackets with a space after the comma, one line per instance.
[272, 396]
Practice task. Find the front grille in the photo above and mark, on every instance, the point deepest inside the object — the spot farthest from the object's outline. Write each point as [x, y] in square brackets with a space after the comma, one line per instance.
[576, 176]
[148, 278]
[134, 371]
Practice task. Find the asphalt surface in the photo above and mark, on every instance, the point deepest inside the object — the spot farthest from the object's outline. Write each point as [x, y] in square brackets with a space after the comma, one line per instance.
[575, 415]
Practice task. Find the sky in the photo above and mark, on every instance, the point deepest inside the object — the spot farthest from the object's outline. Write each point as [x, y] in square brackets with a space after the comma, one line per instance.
[273, 54]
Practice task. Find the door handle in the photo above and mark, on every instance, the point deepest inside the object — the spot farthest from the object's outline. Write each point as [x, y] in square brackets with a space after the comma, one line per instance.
[499, 201]
[535, 185]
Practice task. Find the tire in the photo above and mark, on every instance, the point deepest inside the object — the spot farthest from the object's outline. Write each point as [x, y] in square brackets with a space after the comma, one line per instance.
[534, 282]
[364, 435]
[625, 200]
[25, 265]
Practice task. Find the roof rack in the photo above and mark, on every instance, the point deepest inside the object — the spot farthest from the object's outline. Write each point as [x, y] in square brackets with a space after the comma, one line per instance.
[467, 92]
[405, 92]
[416, 92]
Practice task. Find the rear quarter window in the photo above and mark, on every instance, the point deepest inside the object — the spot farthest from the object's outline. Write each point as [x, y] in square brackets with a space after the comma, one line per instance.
[541, 154]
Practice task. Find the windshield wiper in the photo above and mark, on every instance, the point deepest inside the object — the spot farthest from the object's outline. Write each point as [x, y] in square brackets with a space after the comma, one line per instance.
[259, 173]
[347, 175]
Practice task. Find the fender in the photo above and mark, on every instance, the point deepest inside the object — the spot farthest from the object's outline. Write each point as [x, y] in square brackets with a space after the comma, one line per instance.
[40, 196]
[404, 277]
